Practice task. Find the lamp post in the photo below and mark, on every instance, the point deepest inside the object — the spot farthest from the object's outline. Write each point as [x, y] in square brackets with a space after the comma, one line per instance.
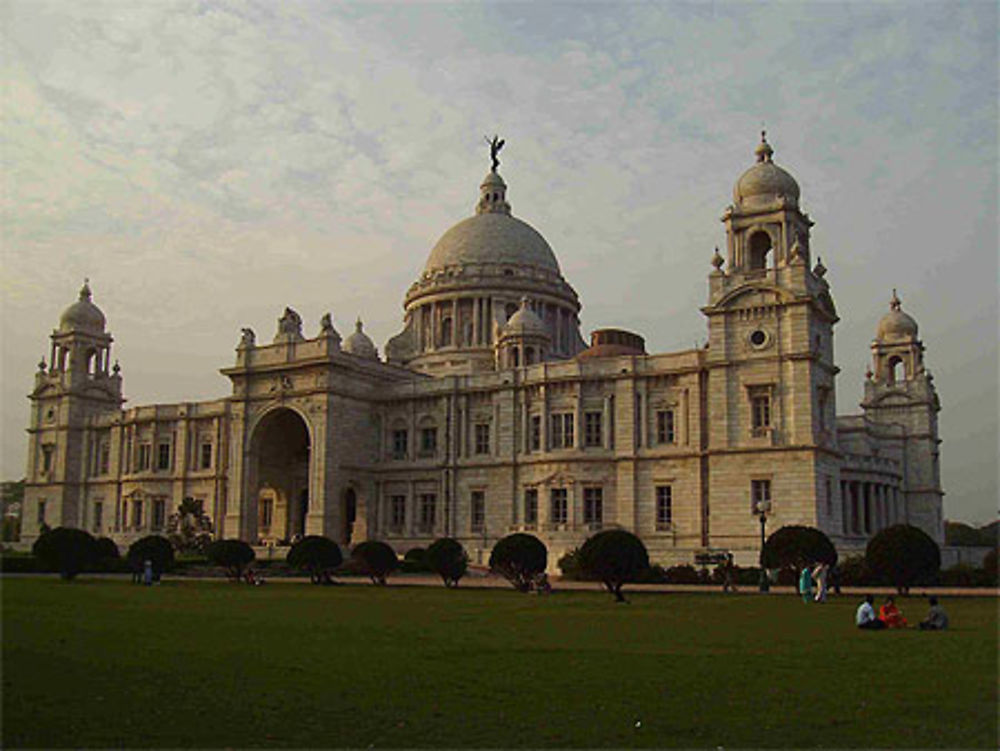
[761, 509]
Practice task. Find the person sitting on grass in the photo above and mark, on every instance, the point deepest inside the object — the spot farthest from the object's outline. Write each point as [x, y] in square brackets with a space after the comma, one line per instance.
[890, 615]
[865, 617]
[937, 619]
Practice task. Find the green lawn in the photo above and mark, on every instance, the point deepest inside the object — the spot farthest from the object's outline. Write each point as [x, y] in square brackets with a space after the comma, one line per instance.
[203, 663]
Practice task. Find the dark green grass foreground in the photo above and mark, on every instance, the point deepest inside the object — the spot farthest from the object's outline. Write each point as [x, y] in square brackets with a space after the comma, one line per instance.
[108, 664]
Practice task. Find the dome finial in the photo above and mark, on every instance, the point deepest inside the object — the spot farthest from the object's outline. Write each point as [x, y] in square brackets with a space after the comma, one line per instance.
[763, 151]
[85, 293]
[894, 303]
[495, 144]
[358, 325]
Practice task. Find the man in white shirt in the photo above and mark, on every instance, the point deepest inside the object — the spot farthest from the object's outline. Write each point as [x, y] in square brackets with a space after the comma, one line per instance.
[865, 617]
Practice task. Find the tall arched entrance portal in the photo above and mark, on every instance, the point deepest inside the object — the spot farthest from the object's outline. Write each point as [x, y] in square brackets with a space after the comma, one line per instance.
[280, 453]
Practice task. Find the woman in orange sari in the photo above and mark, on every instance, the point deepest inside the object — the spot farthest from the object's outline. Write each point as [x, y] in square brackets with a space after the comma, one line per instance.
[890, 614]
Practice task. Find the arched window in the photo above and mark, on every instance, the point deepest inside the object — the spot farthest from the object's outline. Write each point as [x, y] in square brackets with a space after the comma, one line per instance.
[894, 369]
[760, 247]
[515, 359]
[446, 332]
[529, 355]
[92, 362]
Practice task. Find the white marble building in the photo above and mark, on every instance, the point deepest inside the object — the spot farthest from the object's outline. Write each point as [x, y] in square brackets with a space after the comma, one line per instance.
[490, 413]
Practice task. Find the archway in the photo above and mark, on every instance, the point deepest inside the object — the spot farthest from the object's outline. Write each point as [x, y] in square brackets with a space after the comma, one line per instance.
[760, 249]
[280, 454]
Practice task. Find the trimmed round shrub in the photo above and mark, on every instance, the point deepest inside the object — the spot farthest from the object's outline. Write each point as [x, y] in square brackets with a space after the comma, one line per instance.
[232, 555]
[106, 549]
[569, 565]
[68, 551]
[414, 561]
[376, 559]
[903, 555]
[447, 558]
[316, 554]
[797, 546]
[614, 557]
[519, 558]
[153, 548]
[990, 568]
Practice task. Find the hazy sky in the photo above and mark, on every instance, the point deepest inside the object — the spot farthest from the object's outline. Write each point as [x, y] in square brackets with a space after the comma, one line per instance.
[208, 163]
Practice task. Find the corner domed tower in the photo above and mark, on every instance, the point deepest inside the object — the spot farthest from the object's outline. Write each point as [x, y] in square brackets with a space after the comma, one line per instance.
[471, 285]
[770, 361]
[899, 392]
[78, 383]
[523, 340]
[360, 344]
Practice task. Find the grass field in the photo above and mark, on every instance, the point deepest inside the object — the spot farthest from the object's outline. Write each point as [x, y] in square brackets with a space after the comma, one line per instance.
[104, 663]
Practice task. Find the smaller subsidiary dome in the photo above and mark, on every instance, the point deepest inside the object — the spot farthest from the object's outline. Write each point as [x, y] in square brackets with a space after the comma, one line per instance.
[765, 181]
[896, 324]
[83, 315]
[525, 322]
[359, 345]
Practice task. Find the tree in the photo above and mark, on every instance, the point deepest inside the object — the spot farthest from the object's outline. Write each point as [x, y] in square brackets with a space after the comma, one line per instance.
[447, 558]
[68, 551]
[376, 559]
[232, 555]
[795, 546]
[519, 558]
[153, 548]
[189, 529]
[990, 567]
[106, 549]
[903, 555]
[316, 554]
[614, 557]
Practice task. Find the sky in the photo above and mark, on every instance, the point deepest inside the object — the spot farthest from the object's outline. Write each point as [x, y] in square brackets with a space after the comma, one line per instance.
[205, 164]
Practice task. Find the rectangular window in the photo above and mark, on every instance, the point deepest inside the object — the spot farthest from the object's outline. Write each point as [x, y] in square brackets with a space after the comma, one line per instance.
[760, 411]
[206, 456]
[136, 514]
[397, 511]
[478, 510]
[760, 492]
[41, 513]
[266, 512]
[104, 459]
[163, 456]
[593, 425]
[531, 506]
[562, 430]
[428, 509]
[560, 510]
[48, 451]
[593, 506]
[665, 426]
[159, 513]
[98, 517]
[428, 441]
[664, 506]
[829, 497]
[399, 444]
[144, 455]
[536, 433]
[482, 438]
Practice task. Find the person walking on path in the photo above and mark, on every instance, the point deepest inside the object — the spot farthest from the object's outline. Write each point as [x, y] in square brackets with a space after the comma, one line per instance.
[821, 574]
[806, 584]
[147, 572]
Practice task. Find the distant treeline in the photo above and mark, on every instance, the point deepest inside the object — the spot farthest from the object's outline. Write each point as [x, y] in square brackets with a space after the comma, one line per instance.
[964, 535]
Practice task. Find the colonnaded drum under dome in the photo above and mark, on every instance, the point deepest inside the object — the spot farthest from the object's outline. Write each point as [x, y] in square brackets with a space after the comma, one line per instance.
[490, 414]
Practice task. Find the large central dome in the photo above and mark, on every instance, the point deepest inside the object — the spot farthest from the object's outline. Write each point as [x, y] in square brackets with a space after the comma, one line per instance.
[471, 285]
[492, 238]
